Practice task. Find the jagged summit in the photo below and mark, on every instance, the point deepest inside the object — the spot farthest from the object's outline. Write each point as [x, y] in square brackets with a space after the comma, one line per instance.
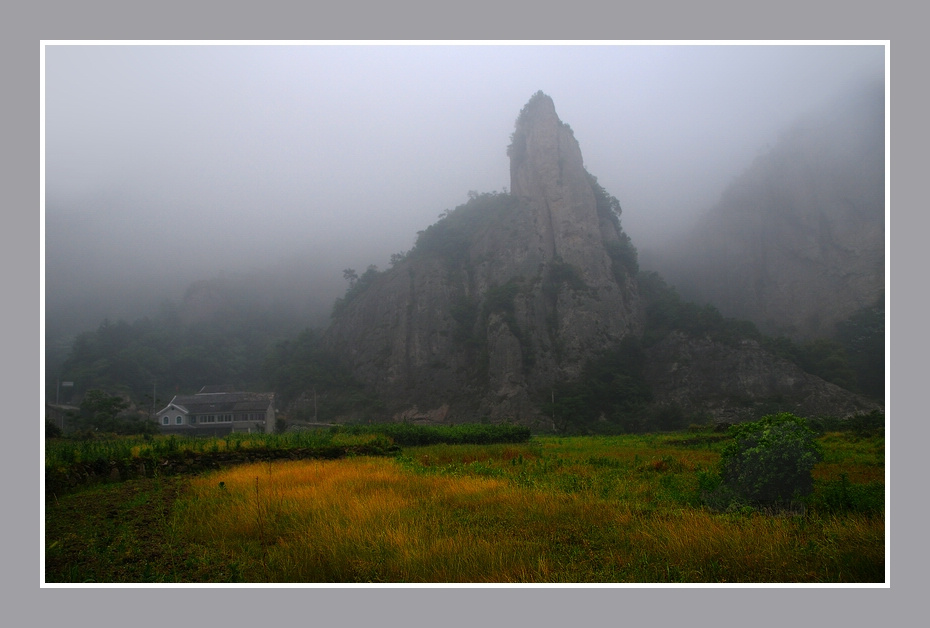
[505, 295]
[547, 171]
[540, 143]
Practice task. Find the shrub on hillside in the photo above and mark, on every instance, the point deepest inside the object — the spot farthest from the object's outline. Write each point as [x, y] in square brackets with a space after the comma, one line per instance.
[864, 425]
[767, 463]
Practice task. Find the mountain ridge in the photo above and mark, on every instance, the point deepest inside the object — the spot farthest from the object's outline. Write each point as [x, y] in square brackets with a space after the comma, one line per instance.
[512, 295]
[796, 243]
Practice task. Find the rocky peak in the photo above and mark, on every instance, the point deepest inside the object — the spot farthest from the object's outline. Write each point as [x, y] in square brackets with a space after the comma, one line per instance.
[504, 295]
[545, 158]
[547, 172]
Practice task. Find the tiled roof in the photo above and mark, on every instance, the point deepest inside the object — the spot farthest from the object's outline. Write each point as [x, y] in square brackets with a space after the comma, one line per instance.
[224, 402]
[226, 388]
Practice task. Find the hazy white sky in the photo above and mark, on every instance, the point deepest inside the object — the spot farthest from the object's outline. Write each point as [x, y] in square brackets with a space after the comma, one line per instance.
[180, 160]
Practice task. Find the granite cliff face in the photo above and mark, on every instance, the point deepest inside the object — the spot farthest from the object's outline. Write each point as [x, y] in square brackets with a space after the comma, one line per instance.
[503, 296]
[796, 243]
[547, 173]
[733, 383]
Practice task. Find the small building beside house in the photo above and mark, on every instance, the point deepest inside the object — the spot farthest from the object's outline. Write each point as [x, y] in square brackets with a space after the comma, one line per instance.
[216, 411]
[59, 414]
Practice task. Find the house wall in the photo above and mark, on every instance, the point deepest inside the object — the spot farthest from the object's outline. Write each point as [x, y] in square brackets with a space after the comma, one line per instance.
[172, 419]
[240, 422]
[225, 422]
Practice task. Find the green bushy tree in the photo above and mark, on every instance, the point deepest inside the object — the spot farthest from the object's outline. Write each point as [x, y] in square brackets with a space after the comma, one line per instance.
[767, 463]
[100, 410]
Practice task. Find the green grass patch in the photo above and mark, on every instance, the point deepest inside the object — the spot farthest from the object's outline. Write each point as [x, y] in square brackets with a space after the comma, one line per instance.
[604, 509]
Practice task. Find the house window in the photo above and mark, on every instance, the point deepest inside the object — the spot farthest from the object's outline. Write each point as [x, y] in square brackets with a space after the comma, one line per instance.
[164, 420]
[178, 420]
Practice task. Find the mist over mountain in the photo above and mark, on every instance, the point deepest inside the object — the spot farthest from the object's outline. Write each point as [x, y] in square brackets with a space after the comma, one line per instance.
[170, 164]
[101, 263]
[264, 218]
[796, 243]
[513, 298]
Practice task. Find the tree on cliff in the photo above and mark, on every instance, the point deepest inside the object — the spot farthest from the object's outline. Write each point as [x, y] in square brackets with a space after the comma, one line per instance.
[303, 366]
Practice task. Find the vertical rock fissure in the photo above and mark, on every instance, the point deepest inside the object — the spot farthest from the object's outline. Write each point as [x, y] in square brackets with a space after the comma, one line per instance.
[550, 222]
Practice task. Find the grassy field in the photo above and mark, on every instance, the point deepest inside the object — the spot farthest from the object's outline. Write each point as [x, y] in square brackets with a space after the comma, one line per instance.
[617, 509]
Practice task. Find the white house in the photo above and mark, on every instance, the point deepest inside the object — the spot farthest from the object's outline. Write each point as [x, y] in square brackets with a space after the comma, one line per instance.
[218, 411]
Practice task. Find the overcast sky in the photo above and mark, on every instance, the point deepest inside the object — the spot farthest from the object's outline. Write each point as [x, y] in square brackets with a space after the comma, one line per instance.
[181, 160]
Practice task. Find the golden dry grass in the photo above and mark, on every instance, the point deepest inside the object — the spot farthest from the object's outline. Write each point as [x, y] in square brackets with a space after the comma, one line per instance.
[541, 512]
[368, 519]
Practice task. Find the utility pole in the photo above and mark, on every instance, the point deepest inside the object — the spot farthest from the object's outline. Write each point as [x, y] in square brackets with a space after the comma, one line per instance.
[553, 410]
[58, 385]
